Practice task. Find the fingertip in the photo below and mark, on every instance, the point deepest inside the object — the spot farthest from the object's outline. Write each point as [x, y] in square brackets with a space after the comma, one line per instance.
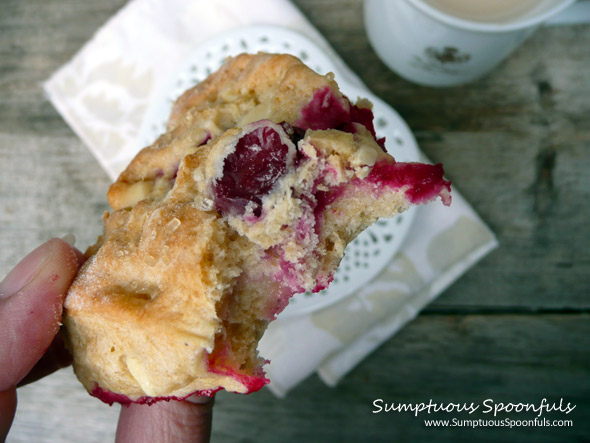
[67, 257]
[80, 256]
[32, 305]
[71, 257]
[25, 270]
[70, 239]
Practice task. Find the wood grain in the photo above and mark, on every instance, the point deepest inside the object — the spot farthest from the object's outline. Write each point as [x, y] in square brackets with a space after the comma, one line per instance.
[514, 328]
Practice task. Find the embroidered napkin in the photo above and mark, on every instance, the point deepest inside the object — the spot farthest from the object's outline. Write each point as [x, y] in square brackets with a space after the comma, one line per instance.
[103, 94]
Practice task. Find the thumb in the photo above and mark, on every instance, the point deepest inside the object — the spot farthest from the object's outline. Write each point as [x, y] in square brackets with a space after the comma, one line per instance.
[31, 303]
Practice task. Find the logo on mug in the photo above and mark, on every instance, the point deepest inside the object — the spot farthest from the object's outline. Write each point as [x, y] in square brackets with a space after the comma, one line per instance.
[448, 54]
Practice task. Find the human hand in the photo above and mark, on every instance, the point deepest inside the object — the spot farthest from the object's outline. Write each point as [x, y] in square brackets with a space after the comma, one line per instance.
[31, 305]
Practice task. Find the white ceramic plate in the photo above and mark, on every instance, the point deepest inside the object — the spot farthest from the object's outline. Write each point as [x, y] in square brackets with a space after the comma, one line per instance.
[367, 255]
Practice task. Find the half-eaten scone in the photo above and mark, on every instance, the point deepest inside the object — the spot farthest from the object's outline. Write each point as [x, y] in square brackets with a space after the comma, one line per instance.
[264, 176]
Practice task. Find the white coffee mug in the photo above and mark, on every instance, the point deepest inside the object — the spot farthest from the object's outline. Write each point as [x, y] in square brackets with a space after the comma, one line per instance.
[429, 47]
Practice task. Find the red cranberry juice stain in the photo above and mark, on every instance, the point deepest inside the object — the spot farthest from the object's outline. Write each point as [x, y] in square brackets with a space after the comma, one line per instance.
[423, 182]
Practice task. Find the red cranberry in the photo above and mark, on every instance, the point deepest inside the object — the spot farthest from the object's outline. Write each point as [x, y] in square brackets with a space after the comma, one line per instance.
[250, 172]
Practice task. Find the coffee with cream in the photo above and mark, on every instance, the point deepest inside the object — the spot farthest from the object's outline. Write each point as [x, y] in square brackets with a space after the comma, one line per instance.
[496, 11]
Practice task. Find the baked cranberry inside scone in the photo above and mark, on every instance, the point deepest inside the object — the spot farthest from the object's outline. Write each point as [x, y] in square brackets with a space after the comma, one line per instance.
[264, 176]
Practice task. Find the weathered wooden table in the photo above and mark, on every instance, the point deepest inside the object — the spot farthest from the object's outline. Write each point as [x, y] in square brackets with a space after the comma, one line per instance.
[515, 329]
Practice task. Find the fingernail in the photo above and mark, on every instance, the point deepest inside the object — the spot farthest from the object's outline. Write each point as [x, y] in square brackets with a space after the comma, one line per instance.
[70, 239]
[25, 271]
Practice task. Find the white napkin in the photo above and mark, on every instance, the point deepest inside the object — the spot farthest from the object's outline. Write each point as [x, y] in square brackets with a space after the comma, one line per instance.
[103, 93]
